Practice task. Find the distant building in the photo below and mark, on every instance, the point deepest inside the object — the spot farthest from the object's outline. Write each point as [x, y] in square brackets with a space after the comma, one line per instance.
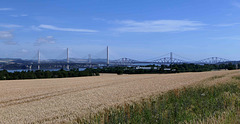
[146, 68]
[167, 69]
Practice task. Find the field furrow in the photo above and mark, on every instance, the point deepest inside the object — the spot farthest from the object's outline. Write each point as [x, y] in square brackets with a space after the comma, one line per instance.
[59, 100]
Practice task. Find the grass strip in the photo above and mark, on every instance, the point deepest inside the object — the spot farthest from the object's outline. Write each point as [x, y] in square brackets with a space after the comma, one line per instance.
[188, 105]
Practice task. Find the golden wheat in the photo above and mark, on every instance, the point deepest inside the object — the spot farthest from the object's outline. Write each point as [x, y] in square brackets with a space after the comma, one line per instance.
[62, 100]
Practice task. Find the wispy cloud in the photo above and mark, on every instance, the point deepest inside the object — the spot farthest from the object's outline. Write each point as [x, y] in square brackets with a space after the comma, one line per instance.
[45, 40]
[227, 25]
[35, 28]
[10, 42]
[226, 38]
[10, 26]
[158, 25]
[51, 27]
[5, 35]
[236, 4]
[99, 19]
[21, 15]
[6, 9]
[23, 51]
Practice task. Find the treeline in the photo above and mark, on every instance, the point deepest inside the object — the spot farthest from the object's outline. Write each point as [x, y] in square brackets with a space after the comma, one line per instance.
[200, 68]
[175, 68]
[5, 75]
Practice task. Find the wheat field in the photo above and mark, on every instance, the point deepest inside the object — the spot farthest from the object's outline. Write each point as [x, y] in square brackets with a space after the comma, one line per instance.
[62, 100]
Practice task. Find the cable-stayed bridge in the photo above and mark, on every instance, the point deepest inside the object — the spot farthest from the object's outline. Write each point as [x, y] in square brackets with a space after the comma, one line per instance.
[102, 58]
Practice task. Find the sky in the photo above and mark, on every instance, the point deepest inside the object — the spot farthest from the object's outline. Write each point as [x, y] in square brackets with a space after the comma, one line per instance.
[136, 29]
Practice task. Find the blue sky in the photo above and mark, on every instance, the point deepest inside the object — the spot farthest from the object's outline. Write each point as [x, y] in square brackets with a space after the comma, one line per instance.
[138, 29]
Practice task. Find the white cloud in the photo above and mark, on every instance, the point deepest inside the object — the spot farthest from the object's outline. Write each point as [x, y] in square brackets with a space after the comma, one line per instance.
[6, 35]
[226, 38]
[5, 9]
[35, 28]
[24, 51]
[227, 25]
[236, 4]
[10, 26]
[158, 25]
[99, 19]
[9, 42]
[51, 27]
[22, 15]
[45, 40]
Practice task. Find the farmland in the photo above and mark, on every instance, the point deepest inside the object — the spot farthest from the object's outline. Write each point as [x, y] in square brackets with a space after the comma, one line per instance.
[63, 100]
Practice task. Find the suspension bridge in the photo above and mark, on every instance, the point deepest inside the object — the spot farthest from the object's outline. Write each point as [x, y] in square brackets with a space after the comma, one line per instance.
[105, 60]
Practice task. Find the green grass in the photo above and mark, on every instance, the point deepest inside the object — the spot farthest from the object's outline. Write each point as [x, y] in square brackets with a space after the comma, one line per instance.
[187, 105]
[226, 117]
[236, 77]
[216, 77]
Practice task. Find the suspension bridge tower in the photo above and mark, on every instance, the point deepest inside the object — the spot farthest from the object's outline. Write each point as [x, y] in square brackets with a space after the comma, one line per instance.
[38, 59]
[67, 59]
[89, 60]
[171, 58]
[107, 56]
